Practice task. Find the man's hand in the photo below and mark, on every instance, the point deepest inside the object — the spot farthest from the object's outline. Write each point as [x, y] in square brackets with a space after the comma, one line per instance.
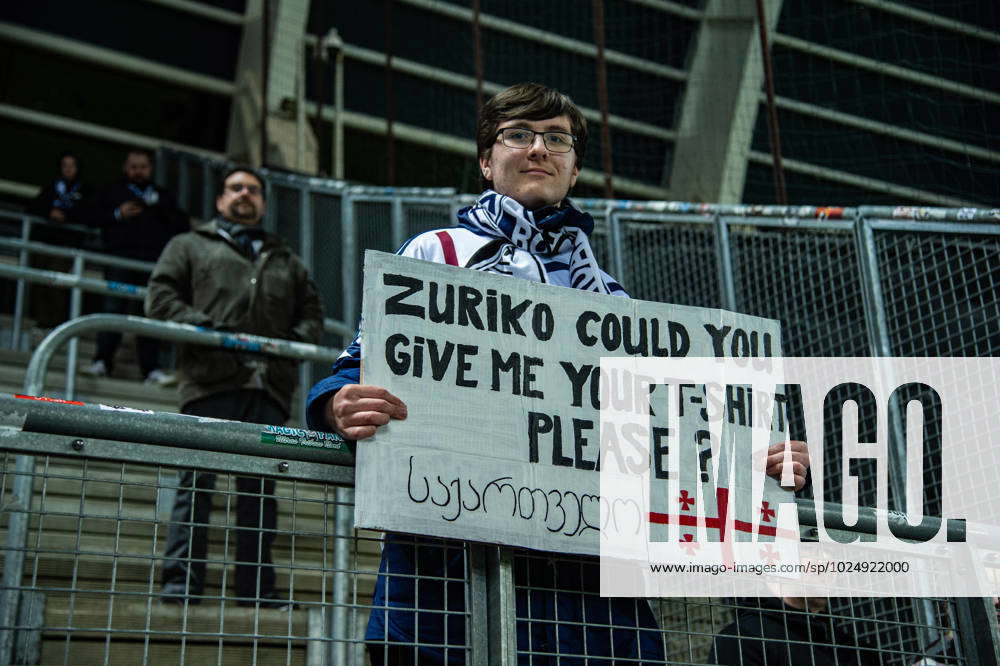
[129, 209]
[800, 462]
[357, 410]
[57, 215]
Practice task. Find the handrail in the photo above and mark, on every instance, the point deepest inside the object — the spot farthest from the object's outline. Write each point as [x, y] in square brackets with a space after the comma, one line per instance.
[121, 289]
[71, 281]
[30, 414]
[868, 522]
[165, 330]
[44, 222]
[88, 255]
[83, 420]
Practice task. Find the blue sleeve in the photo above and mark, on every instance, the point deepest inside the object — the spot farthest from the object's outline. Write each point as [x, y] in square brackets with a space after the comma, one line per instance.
[346, 370]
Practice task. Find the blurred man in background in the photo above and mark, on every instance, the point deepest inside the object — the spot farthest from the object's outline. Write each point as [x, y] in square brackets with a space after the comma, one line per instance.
[137, 219]
[230, 274]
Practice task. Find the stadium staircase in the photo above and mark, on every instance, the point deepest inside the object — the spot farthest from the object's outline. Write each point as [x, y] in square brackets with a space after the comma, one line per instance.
[108, 565]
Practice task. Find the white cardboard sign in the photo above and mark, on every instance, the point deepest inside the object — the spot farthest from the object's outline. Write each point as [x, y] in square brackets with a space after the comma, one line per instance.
[501, 380]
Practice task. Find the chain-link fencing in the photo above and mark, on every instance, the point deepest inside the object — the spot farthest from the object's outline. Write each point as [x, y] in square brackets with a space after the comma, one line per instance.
[843, 282]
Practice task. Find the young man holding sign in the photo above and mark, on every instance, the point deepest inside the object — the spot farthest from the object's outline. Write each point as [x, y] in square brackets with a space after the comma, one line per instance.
[531, 143]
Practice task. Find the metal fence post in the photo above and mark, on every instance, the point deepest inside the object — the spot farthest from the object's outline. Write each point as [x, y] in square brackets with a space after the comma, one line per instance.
[617, 255]
[478, 605]
[977, 622]
[306, 227]
[183, 183]
[339, 630]
[337, 152]
[874, 304]
[21, 293]
[306, 255]
[500, 589]
[878, 336]
[398, 232]
[19, 508]
[75, 305]
[878, 328]
[207, 191]
[724, 258]
[269, 222]
[349, 258]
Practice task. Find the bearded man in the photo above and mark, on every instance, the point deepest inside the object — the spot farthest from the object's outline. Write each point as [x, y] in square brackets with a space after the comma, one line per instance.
[232, 275]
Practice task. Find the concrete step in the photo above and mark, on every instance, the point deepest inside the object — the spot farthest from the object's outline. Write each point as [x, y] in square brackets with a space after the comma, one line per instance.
[106, 390]
[130, 579]
[238, 651]
[129, 618]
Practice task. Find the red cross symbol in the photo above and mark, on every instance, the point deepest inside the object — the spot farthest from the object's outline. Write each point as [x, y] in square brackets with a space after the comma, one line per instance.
[770, 554]
[685, 500]
[766, 512]
[689, 544]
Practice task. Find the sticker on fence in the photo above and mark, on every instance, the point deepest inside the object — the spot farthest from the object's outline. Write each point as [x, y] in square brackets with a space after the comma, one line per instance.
[42, 398]
[123, 408]
[287, 436]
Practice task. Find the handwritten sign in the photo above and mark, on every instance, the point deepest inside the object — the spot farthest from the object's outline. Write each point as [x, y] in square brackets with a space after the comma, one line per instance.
[503, 385]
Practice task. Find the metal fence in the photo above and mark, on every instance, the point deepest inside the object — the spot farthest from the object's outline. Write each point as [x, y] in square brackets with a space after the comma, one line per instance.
[854, 281]
[16, 241]
[96, 527]
[843, 281]
[93, 543]
[30, 514]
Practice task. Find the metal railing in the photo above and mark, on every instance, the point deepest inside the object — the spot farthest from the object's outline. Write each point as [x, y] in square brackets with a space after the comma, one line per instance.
[77, 283]
[90, 433]
[176, 430]
[330, 223]
[98, 460]
[25, 246]
[880, 281]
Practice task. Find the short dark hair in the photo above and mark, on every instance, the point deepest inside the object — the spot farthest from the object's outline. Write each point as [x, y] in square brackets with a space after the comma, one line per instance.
[136, 150]
[241, 168]
[530, 101]
[69, 153]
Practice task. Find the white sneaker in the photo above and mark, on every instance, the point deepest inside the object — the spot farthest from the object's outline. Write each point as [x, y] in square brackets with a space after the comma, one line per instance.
[159, 378]
[96, 369]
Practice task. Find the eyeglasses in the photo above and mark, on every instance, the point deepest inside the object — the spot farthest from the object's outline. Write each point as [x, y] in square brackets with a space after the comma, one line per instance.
[520, 137]
[236, 188]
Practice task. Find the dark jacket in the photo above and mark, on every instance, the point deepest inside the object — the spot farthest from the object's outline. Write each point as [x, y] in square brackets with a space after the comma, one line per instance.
[204, 279]
[778, 635]
[141, 237]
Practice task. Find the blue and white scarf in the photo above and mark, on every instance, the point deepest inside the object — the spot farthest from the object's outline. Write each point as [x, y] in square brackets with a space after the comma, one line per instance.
[67, 194]
[558, 237]
[148, 194]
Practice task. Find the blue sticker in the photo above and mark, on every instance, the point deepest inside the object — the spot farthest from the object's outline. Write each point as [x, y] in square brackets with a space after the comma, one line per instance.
[123, 287]
[229, 342]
